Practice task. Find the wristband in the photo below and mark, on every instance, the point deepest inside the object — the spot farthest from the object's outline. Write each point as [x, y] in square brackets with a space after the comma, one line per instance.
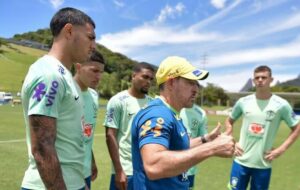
[203, 139]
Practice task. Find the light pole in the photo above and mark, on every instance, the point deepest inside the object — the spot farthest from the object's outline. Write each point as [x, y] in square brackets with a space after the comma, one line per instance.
[203, 63]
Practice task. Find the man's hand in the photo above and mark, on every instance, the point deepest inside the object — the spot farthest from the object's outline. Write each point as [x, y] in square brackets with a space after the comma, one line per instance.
[121, 180]
[225, 146]
[214, 133]
[94, 172]
[272, 154]
[238, 151]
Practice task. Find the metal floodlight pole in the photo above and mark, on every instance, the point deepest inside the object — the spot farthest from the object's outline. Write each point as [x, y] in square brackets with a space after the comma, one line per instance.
[203, 67]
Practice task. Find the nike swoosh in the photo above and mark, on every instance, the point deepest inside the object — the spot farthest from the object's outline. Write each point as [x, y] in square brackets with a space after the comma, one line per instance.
[76, 98]
[182, 133]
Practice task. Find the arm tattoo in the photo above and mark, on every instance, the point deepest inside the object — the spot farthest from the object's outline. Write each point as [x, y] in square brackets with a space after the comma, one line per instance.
[43, 136]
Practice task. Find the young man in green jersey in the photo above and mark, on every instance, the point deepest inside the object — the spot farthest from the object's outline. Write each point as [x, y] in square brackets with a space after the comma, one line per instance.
[121, 109]
[262, 113]
[53, 108]
[87, 76]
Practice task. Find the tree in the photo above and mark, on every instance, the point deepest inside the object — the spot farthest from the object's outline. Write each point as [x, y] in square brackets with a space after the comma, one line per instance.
[212, 94]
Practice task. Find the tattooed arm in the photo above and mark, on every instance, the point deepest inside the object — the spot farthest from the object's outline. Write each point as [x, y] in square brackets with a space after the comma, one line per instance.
[43, 136]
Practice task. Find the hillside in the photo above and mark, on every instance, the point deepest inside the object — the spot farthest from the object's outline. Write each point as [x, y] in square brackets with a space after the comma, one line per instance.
[14, 63]
[293, 82]
[15, 60]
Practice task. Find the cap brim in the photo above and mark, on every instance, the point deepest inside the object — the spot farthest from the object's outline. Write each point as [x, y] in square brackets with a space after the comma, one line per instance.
[196, 75]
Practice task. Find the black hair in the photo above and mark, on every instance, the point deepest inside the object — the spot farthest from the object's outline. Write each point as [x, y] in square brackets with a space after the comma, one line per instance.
[143, 65]
[97, 57]
[68, 15]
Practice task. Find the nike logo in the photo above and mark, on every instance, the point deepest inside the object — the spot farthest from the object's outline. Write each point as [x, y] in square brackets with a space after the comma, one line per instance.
[182, 133]
[76, 98]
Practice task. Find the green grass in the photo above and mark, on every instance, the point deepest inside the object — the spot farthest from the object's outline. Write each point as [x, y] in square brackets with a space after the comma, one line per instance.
[14, 64]
[214, 172]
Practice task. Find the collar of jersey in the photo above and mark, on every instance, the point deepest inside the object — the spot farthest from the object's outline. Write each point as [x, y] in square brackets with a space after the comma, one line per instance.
[169, 106]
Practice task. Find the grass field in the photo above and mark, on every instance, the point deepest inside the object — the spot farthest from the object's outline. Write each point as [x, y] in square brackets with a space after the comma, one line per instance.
[213, 174]
[14, 64]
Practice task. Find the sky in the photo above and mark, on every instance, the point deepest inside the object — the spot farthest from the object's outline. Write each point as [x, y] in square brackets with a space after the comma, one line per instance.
[229, 38]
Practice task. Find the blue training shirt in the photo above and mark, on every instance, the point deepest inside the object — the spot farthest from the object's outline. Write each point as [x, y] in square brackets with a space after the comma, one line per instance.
[158, 124]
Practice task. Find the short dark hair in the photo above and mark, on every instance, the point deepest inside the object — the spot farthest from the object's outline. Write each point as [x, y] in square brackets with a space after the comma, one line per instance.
[142, 65]
[68, 15]
[97, 57]
[263, 68]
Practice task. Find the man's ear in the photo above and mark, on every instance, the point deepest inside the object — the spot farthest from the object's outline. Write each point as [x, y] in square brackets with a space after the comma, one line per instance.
[68, 30]
[77, 66]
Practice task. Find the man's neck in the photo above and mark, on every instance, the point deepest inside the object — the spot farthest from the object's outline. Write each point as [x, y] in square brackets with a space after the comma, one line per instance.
[58, 52]
[263, 94]
[169, 100]
[80, 84]
[135, 93]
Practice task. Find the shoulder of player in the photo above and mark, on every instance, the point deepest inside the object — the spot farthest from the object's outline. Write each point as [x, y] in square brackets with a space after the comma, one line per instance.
[279, 100]
[93, 92]
[249, 98]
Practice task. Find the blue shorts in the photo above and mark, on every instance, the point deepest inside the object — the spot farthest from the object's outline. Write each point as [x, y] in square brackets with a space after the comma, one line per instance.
[88, 182]
[112, 185]
[191, 180]
[241, 175]
[22, 188]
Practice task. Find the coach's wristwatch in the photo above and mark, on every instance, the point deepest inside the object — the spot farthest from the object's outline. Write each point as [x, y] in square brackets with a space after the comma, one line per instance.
[203, 139]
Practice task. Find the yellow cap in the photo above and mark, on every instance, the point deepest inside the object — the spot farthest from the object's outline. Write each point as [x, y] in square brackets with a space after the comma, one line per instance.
[175, 66]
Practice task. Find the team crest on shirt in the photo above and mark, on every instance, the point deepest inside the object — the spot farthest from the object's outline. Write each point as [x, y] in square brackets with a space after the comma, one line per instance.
[270, 115]
[256, 128]
[194, 123]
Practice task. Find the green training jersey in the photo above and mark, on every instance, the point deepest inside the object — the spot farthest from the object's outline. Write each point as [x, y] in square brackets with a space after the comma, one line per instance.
[261, 120]
[90, 101]
[195, 121]
[49, 90]
[121, 109]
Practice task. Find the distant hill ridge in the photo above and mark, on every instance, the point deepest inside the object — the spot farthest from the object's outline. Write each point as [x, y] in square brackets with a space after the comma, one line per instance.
[118, 67]
[292, 83]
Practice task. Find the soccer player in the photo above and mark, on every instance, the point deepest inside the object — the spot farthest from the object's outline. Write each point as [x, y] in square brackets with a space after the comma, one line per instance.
[53, 107]
[262, 113]
[87, 76]
[195, 121]
[121, 108]
[161, 150]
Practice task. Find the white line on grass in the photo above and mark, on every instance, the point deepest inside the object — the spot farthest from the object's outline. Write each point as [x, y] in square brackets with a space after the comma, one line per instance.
[23, 140]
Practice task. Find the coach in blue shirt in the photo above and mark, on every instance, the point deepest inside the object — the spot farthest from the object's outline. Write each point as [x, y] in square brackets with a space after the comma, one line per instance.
[161, 149]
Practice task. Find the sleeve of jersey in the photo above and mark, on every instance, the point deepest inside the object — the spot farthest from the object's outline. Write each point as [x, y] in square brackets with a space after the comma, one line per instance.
[289, 116]
[113, 113]
[96, 102]
[154, 130]
[236, 110]
[203, 126]
[45, 94]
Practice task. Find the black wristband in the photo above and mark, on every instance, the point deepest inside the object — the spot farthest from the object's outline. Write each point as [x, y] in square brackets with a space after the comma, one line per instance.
[203, 139]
